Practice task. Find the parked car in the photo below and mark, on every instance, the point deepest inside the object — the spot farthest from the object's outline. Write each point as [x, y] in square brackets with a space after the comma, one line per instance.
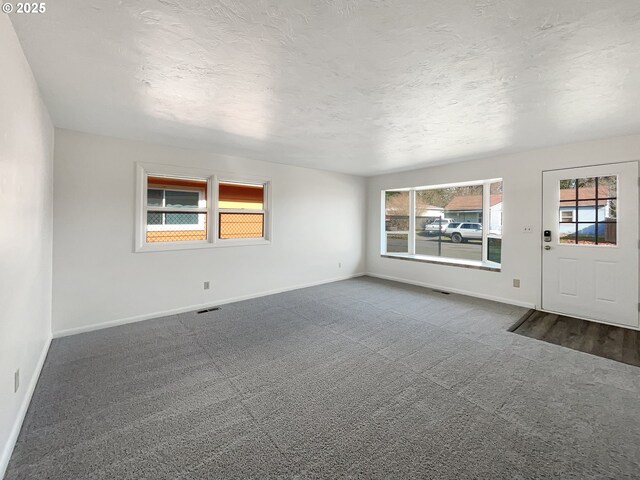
[465, 231]
[431, 228]
[450, 228]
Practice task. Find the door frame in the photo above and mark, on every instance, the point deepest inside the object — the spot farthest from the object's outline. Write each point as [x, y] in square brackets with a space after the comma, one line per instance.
[542, 212]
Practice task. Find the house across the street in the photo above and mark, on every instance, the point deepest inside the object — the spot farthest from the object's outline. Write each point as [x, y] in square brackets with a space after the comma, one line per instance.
[468, 208]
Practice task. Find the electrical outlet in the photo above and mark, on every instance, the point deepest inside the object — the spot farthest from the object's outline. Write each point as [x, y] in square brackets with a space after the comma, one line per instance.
[339, 264]
[516, 282]
[207, 285]
[16, 381]
[527, 229]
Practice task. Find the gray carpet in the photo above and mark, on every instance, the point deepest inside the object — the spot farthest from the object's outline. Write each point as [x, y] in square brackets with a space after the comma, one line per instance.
[361, 378]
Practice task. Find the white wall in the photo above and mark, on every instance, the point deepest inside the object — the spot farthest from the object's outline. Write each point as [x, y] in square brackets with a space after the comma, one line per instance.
[317, 222]
[26, 172]
[521, 252]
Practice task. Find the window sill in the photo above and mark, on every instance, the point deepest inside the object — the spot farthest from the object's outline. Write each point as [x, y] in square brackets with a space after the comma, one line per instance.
[162, 247]
[473, 264]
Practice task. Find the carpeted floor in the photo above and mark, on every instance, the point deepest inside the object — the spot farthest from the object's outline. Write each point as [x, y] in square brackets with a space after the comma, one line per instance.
[361, 378]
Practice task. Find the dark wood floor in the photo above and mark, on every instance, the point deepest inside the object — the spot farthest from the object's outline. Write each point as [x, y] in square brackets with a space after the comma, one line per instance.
[616, 343]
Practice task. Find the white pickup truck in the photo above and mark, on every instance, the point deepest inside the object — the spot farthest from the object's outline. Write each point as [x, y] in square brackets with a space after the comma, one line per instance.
[441, 224]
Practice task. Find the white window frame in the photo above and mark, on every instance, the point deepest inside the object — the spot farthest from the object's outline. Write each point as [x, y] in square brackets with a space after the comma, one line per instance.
[213, 178]
[412, 221]
[411, 255]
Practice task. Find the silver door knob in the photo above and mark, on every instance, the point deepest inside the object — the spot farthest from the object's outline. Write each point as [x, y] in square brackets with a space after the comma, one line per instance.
[547, 247]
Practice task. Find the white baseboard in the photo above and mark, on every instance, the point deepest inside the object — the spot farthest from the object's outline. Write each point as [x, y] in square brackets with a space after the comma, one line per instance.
[7, 449]
[190, 308]
[454, 290]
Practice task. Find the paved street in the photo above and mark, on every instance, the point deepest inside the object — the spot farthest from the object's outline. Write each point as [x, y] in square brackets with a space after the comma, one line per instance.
[429, 246]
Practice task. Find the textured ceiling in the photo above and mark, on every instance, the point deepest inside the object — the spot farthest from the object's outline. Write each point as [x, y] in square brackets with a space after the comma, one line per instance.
[356, 86]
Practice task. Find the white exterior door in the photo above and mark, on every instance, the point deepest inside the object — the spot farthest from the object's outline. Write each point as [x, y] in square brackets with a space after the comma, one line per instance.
[590, 262]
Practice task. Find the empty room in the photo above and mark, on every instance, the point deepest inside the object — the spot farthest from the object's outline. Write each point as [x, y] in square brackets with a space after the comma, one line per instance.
[324, 239]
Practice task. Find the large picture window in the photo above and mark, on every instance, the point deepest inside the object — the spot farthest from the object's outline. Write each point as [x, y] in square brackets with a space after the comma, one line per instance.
[181, 208]
[459, 222]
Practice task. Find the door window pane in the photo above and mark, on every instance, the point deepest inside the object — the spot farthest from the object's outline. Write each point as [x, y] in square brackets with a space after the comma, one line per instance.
[598, 210]
[608, 210]
[587, 233]
[608, 234]
[586, 188]
[608, 187]
[567, 233]
[568, 192]
[587, 206]
[587, 210]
